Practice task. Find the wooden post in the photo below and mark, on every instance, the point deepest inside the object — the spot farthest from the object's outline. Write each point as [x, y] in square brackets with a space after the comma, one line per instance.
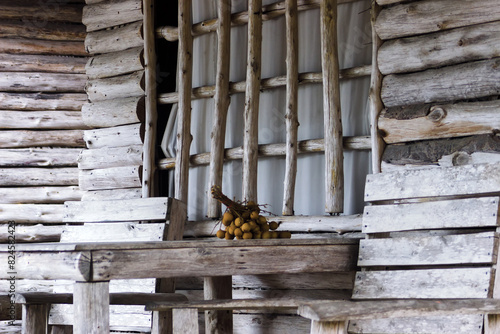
[185, 66]
[91, 308]
[334, 169]
[218, 321]
[35, 318]
[292, 122]
[375, 101]
[186, 321]
[150, 100]
[492, 325]
[221, 104]
[252, 95]
[328, 327]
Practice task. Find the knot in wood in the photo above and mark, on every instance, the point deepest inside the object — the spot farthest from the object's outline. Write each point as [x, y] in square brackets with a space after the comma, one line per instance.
[436, 114]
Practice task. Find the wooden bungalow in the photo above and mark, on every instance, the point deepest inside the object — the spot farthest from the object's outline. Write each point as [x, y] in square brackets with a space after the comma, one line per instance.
[117, 118]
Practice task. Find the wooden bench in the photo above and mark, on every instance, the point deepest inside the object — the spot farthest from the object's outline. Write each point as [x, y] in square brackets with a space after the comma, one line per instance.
[430, 253]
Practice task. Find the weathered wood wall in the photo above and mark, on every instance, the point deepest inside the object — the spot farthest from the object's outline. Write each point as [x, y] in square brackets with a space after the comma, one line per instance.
[440, 83]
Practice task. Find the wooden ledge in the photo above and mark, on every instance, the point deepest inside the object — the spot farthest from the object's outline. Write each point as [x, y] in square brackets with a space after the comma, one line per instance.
[227, 304]
[346, 310]
[126, 298]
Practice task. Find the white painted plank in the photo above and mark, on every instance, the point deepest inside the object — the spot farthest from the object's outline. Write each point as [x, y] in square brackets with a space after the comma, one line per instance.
[111, 232]
[110, 178]
[423, 283]
[459, 213]
[437, 250]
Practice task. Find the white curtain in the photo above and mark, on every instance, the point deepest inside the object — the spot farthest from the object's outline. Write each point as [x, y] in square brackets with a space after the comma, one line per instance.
[354, 50]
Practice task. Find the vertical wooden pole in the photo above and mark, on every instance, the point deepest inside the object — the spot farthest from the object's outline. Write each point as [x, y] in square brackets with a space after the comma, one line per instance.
[35, 318]
[328, 327]
[185, 65]
[334, 157]
[219, 322]
[221, 104]
[492, 325]
[186, 321]
[91, 308]
[292, 121]
[150, 100]
[252, 97]
[375, 101]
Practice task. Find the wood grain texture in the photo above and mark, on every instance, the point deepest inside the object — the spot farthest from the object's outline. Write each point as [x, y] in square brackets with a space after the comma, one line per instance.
[42, 120]
[32, 213]
[218, 320]
[109, 232]
[32, 138]
[116, 39]
[20, 177]
[38, 195]
[328, 327]
[43, 157]
[35, 318]
[42, 82]
[110, 178]
[111, 194]
[185, 321]
[34, 12]
[107, 14]
[42, 47]
[33, 233]
[114, 112]
[42, 101]
[107, 157]
[115, 63]
[125, 135]
[47, 31]
[42, 63]
[91, 308]
[124, 86]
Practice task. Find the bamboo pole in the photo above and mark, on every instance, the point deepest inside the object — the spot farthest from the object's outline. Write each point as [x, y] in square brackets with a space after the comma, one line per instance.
[185, 65]
[334, 173]
[268, 83]
[292, 122]
[273, 150]
[269, 12]
[221, 104]
[375, 101]
[150, 100]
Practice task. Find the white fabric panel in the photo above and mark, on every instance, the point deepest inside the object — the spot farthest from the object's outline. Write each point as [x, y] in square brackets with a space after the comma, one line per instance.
[354, 50]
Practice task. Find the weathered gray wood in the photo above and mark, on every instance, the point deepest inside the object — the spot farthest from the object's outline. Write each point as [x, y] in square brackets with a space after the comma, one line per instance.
[272, 150]
[227, 304]
[334, 155]
[107, 157]
[440, 250]
[34, 233]
[114, 112]
[48, 31]
[110, 194]
[42, 82]
[107, 14]
[38, 195]
[455, 214]
[113, 232]
[56, 157]
[124, 86]
[457, 82]
[216, 289]
[38, 177]
[440, 49]
[116, 39]
[154, 208]
[252, 97]
[5, 303]
[91, 308]
[328, 327]
[35, 319]
[126, 135]
[31, 11]
[115, 63]
[110, 178]
[28, 138]
[41, 63]
[185, 321]
[421, 17]
[41, 101]
[458, 180]
[42, 47]
[442, 121]
[492, 324]
[31, 213]
[61, 329]
[11, 119]
[424, 284]
[123, 298]
[463, 158]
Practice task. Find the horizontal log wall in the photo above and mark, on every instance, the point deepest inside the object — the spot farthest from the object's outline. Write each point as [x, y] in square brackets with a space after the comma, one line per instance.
[441, 82]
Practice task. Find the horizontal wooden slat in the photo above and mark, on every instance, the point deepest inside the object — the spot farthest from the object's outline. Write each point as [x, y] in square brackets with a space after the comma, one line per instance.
[420, 17]
[114, 298]
[438, 250]
[128, 85]
[39, 157]
[107, 157]
[111, 13]
[42, 82]
[48, 30]
[109, 194]
[32, 213]
[454, 214]
[227, 304]
[456, 82]
[39, 194]
[114, 112]
[114, 40]
[442, 121]
[33, 138]
[449, 181]
[42, 101]
[126, 135]
[110, 178]
[115, 63]
[423, 284]
[154, 208]
[42, 47]
[113, 232]
[41, 63]
[63, 12]
[38, 177]
[52, 119]
[33, 233]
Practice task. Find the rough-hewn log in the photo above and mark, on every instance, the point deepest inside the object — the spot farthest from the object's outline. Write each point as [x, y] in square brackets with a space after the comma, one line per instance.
[39, 195]
[39, 157]
[111, 178]
[33, 233]
[44, 12]
[272, 150]
[107, 113]
[32, 213]
[124, 86]
[47, 30]
[27, 138]
[420, 17]
[111, 13]
[99, 195]
[41, 47]
[116, 39]
[91, 308]
[38, 177]
[431, 151]
[52, 119]
[42, 101]
[107, 157]
[115, 63]
[40, 63]
[457, 82]
[440, 49]
[388, 2]
[41, 82]
[126, 135]
[441, 121]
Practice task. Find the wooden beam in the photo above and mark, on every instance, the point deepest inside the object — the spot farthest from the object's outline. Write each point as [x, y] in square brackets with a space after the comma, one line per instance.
[124, 86]
[41, 63]
[35, 318]
[39, 157]
[91, 308]
[110, 178]
[42, 82]
[107, 157]
[117, 39]
[28, 138]
[41, 120]
[46, 12]
[42, 101]
[114, 112]
[115, 63]
[42, 47]
[108, 14]
[40, 195]
[46, 31]
[38, 177]
[118, 136]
